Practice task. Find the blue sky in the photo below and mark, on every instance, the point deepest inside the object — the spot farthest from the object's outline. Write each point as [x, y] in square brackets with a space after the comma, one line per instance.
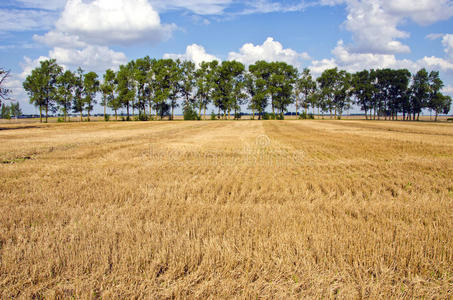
[349, 34]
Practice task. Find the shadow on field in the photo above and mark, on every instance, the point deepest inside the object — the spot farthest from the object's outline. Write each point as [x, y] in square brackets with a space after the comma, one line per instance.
[18, 128]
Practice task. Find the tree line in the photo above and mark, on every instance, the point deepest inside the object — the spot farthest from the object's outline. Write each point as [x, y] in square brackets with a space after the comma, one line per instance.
[155, 87]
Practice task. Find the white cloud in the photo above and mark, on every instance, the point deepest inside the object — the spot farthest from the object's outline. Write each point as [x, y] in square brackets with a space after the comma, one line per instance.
[267, 6]
[374, 23]
[195, 53]
[201, 7]
[353, 62]
[59, 39]
[270, 50]
[374, 29]
[422, 11]
[113, 21]
[24, 20]
[447, 42]
[91, 58]
[43, 4]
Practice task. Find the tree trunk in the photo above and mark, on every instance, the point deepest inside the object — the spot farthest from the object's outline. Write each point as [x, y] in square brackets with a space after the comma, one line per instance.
[127, 107]
[88, 115]
[81, 116]
[366, 114]
[435, 118]
[150, 110]
[47, 109]
[40, 113]
[105, 108]
[204, 112]
[116, 115]
[172, 111]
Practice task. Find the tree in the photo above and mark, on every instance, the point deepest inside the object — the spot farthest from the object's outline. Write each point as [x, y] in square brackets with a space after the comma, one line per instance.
[175, 78]
[187, 84]
[257, 91]
[327, 82]
[435, 85]
[419, 92]
[78, 100]
[440, 104]
[238, 94]
[257, 84]
[142, 68]
[4, 92]
[41, 85]
[15, 109]
[126, 86]
[91, 87]
[228, 73]
[282, 80]
[6, 111]
[164, 76]
[363, 90]
[107, 88]
[203, 83]
[305, 87]
[34, 86]
[66, 86]
[343, 92]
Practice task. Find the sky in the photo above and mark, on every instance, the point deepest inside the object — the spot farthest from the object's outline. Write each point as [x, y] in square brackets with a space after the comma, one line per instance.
[318, 34]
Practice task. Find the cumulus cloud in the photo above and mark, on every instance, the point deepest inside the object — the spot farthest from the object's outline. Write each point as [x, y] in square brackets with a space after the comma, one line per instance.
[59, 39]
[374, 23]
[113, 21]
[195, 53]
[92, 58]
[353, 62]
[270, 50]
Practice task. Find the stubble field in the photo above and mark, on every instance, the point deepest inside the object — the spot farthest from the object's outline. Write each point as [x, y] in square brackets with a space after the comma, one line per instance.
[227, 209]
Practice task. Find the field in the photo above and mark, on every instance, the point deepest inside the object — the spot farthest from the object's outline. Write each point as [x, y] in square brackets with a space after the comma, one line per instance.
[227, 209]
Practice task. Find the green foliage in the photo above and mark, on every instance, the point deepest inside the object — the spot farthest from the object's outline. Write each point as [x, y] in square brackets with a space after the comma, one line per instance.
[60, 120]
[303, 116]
[266, 116]
[6, 111]
[190, 113]
[106, 117]
[213, 116]
[237, 115]
[41, 85]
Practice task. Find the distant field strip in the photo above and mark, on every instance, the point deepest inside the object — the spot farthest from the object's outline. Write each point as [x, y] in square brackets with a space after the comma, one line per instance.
[227, 209]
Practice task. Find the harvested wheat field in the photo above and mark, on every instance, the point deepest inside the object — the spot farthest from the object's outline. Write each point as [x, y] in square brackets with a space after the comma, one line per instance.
[227, 209]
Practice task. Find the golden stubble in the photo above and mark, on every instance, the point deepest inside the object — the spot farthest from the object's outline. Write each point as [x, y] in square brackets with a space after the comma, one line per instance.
[227, 209]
